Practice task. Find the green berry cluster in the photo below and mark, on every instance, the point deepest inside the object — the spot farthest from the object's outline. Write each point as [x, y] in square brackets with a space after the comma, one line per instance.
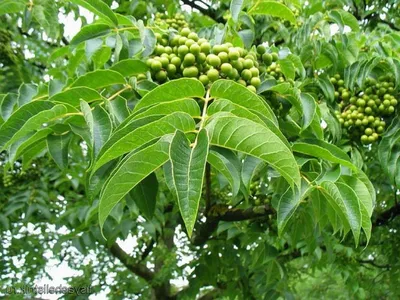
[363, 114]
[187, 55]
[269, 63]
[258, 195]
[177, 21]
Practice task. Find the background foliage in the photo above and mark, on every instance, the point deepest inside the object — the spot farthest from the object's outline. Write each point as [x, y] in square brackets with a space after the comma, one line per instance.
[285, 196]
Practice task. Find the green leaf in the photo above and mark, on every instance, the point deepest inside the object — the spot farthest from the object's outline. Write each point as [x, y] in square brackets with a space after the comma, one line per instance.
[309, 107]
[272, 8]
[188, 167]
[288, 204]
[99, 79]
[342, 18]
[287, 68]
[225, 162]
[72, 96]
[99, 124]
[145, 195]
[12, 6]
[129, 173]
[7, 105]
[130, 67]
[324, 150]
[229, 131]
[28, 118]
[240, 111]
[148, 39]
[348, 203]
[242, 96]
[89, 32]
[18, 148]
[251, 167]
[389, 152]
[25, 93]
[172, 90]
[118, 109]
[132, 137]
[365, 200]
[188, 106]
[236, 8]
[34, 151]
[58, 146]
[99, 8]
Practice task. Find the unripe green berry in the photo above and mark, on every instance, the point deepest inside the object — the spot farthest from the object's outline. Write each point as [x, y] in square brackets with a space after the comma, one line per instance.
[183, 50]
[233, 54]
[255, 81]
[205, 47]
[190, 72]
[252, 88]
[223, 56]
[213, 75]
[185, 32]
[226, 68]
[189, 59]
[261, 49]
[204, 79]
[213, 60]
[267, 58]
[248, 63]
[156, 65]
[161, 76]
[171, 69]
[246, 74]
[195, 49]
[176, 61]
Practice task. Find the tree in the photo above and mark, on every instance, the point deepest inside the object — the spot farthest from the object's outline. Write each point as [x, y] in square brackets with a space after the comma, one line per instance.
[241, 146]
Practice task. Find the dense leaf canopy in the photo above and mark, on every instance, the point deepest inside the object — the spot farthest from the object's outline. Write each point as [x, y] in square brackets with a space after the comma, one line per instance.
[241, 149]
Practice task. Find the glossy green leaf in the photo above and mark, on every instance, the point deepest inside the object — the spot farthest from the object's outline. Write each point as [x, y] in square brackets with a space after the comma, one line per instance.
[288, 204]
[229, 131]
[145, 195]
[18, 148]
[58, 146]
[272, 8]
[243, 112]
[228, 165]
[188, 167]
[12, 6]
[309, 109]
[73, 96]
[236, 8]
[129, 173]
[132, 137]
[238, 94]
[188, 106]
[99, 79]
[26, 92]
[99, 124]
[130, 67]
[28, 118]
[99, 8]
[324, 150]
[89, 32]
[172, 90]
[348, 202]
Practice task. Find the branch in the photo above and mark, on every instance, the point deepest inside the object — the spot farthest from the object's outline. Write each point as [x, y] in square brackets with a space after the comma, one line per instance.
[136, 268]
[208, 12]
[148, 249]
[222, 213]
[373, 263]
[388, 215]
